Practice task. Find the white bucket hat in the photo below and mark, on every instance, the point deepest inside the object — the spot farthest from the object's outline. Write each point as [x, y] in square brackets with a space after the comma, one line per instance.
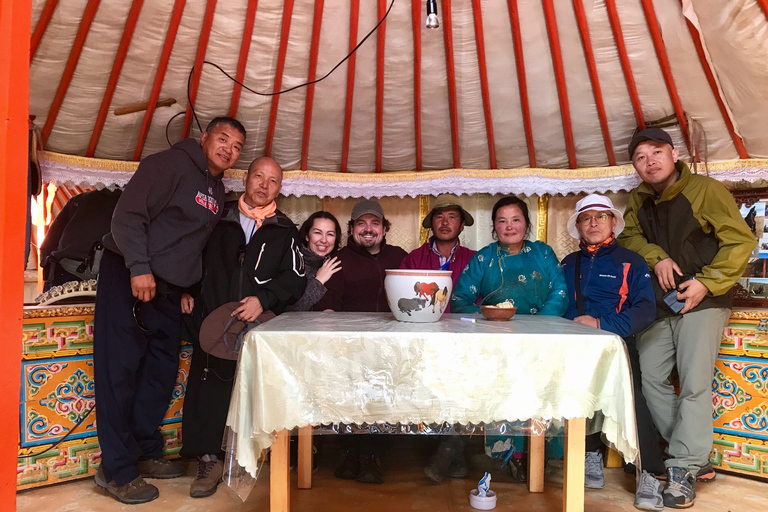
[598, 203]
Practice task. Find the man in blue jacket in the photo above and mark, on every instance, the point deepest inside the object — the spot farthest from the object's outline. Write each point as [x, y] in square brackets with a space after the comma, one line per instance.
[160, 225]
[610, 288]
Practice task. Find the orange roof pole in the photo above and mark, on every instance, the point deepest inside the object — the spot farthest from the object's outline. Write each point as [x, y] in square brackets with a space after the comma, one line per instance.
[285, 32]
[15, 25]
[522, 83]
[626, 68]
[242, 62]
[764, 5]
[170, 37]
[586, 42]
[122, 51]
[480, 39]
[416, 19]
[354, 19]
[202, 46]
[451, 72]
[562, 91]
[380, 43]
[737, 141]
[42, 25]
[313, 51]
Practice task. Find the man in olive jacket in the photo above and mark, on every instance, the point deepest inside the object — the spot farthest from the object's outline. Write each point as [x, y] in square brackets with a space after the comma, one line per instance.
[688, 229]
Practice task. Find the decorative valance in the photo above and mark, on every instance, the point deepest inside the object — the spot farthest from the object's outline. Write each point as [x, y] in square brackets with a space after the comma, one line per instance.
[81, 171]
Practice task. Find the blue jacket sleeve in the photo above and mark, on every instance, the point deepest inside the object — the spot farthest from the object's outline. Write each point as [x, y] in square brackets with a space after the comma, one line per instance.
[639, 309]
[557, 299]
[467, 288]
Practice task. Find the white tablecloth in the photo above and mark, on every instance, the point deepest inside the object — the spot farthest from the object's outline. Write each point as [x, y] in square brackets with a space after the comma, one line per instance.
[312, 368]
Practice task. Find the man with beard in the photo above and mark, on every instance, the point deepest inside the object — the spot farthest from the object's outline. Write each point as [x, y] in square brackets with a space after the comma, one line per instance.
[252, 258]
[359, 286]
[443, 251]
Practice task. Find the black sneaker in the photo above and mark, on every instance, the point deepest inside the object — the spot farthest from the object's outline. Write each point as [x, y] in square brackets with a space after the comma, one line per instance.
[681, 488]
[371, 471]
[518, 468]
[458, 467]
[349, 467]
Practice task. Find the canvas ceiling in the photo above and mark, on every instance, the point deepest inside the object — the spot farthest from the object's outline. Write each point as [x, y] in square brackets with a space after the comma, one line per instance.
[381, 133]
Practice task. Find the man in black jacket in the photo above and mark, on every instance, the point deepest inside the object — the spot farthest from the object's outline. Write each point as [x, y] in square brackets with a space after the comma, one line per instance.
[253, 258]
[160, 226]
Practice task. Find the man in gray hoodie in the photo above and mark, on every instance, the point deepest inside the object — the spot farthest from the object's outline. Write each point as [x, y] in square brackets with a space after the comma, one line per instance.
[160, 226]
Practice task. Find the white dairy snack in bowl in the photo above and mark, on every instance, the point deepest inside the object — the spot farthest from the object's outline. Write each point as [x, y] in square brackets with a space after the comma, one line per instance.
[507, 304]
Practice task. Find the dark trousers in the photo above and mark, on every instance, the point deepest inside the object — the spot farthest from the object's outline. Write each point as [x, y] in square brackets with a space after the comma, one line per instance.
[135, 370]
[206, 402]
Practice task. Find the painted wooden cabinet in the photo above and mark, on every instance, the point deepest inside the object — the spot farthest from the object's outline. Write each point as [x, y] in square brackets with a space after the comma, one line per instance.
[57, 393]
[740, 395]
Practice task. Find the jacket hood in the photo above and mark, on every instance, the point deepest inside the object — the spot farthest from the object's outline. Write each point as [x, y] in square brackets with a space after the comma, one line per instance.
[194, 150]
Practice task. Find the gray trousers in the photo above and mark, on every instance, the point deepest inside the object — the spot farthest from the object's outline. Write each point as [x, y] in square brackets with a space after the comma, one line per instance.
[691, 341]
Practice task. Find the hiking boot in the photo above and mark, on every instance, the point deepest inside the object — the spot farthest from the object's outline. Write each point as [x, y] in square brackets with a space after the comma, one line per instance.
[593, 470]
[648, 495]
[518, 468]
[371, 471]
[681, 488]
[208, 477]
[706, 473]
[458, 467]
[440, 462]
[161, 468]
[134, 492]
[349, 467]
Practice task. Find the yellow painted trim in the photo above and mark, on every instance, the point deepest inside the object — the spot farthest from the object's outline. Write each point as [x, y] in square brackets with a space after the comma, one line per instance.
[542, 216]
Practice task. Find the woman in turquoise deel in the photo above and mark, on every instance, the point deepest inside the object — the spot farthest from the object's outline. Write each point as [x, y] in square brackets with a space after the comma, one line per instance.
[525, 272]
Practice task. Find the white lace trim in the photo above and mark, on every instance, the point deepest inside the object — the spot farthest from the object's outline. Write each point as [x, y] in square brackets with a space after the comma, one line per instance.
[298, 183]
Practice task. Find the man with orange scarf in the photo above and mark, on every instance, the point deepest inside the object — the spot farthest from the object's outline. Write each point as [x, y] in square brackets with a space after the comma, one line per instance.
[252, 258]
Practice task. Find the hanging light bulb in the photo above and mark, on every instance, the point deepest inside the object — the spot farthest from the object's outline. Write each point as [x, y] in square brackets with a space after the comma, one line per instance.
[432, 21]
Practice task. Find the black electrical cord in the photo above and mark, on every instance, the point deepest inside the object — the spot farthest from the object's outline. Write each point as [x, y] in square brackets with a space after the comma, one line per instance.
[342, 61]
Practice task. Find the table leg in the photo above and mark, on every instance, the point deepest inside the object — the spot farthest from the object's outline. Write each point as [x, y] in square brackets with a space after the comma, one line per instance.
[573, 477]
[279, 474]
[305, 457]
[536, 462]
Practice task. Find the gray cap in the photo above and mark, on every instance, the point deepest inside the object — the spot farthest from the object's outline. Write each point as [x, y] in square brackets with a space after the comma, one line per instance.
[368, 206]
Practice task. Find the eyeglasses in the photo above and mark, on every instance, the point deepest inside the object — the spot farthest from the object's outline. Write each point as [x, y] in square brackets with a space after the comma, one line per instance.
[601, 218]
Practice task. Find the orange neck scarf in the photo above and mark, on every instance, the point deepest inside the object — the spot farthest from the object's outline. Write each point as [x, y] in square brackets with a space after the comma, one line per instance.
[593, 248]
[257, 213]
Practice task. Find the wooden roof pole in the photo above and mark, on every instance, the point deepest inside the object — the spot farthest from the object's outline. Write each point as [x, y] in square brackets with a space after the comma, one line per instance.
[562, 91]
[354, 20]
[69, 69]
[586, 42]
[522, 83]
[242, 61]
[117, 66]
[285, 32]
[380, 46]
[484, 89]
[417, 23]
[202, 46]
[162, 66]
[313, 52]
[42, 25]
[451, 74]
[626, 68]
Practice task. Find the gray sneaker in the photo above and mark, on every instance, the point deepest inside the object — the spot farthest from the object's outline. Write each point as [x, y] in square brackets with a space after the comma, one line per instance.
[593, 470]
[134, 492]
[681, 488]
[648, 495]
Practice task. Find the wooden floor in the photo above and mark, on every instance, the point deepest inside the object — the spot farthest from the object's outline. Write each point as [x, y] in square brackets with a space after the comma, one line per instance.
[405, 488]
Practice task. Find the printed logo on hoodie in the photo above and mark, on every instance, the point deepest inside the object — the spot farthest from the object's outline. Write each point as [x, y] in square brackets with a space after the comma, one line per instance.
[207, 202]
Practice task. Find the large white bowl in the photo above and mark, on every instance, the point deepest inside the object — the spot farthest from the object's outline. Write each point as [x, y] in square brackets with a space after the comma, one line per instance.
[418, 295]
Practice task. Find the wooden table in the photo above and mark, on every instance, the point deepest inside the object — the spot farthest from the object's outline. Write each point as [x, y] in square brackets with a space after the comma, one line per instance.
[304, 369]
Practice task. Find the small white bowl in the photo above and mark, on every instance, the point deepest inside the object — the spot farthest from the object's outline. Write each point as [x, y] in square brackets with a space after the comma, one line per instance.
[487, 502]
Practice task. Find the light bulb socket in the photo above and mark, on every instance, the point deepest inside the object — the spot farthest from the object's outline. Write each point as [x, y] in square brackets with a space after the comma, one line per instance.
[432, 21]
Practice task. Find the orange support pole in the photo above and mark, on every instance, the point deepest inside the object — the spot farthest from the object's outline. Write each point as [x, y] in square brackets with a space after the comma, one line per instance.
[15, 27]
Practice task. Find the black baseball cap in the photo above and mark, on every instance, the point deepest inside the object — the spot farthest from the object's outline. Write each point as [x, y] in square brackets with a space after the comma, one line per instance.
[655, 134]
